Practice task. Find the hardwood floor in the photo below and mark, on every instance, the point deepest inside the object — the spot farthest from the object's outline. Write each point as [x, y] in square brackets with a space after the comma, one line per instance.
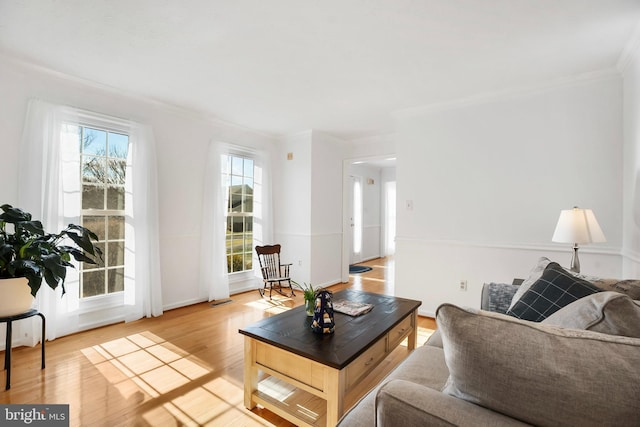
[182, 368]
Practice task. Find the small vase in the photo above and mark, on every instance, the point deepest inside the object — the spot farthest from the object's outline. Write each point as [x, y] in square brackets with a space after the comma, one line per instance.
[309, 306]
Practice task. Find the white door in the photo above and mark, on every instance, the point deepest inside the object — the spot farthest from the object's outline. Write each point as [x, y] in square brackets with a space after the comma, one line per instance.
[355, 209]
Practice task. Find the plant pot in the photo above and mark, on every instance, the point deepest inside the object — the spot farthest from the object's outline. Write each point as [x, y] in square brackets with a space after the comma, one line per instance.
[15, 296]
[309, 305]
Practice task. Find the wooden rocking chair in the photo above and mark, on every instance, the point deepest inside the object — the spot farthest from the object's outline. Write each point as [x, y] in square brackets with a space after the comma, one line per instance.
[274, 274]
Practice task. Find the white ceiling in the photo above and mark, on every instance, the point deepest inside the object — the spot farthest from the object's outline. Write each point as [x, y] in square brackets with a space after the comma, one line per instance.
[340, 66]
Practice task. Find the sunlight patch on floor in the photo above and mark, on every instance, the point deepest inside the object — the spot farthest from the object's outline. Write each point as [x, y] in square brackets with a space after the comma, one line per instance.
[216, 403]
[272, 306]
[145, 364]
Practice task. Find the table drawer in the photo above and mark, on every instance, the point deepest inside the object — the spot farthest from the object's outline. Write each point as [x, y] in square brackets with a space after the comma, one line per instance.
[365, 362]
[401, 330]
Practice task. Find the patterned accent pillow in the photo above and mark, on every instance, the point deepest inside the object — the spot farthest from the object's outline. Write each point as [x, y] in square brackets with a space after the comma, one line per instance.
[534, 275]
[555, 289]
[500, 296]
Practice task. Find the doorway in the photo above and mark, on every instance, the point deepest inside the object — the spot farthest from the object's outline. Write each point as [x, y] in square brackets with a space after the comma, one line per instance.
[369, 201]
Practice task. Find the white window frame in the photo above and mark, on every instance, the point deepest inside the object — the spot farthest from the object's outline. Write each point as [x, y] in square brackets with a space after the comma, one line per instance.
[115, 125]
[240, 276]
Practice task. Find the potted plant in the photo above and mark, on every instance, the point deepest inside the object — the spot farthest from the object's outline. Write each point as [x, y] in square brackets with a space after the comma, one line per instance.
[28, 255]
[309, 295]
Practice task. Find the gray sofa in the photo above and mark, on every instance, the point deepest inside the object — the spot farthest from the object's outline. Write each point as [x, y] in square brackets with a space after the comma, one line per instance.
[580, 365]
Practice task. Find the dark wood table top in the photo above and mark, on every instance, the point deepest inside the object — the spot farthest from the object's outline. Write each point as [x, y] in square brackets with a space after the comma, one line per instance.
[291, 330]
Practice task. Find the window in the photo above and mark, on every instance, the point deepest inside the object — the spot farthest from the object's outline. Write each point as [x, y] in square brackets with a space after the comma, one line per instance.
[238, 177]
[103, 164]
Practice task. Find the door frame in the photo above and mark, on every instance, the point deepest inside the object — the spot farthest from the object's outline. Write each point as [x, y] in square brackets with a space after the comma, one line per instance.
[346, 193]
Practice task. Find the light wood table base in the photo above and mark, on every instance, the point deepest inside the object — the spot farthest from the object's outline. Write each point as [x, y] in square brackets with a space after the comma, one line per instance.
[306, 392]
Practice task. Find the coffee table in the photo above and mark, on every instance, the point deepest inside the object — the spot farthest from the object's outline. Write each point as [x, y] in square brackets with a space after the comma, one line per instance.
[303, 376]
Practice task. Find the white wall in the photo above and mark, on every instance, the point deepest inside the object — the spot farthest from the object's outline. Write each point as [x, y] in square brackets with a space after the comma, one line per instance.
[631, 187]
[308, 206]
[292, 203]
[488, 182]
[326, 208]
[182, 139]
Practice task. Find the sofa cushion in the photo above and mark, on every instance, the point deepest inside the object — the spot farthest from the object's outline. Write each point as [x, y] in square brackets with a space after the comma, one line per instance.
[552, 291]
[607, 312]
[534, 275]
[405, 403]
[424, 366]
[540, 374]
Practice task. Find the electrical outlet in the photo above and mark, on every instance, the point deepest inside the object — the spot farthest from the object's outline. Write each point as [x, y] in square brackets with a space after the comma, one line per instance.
[463, 285]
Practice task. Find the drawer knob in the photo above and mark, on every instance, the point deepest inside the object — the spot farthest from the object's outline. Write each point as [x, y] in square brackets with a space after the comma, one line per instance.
[368, 362]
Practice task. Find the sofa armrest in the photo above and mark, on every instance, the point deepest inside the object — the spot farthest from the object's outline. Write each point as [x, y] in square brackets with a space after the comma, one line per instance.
[497, 296]
[403, 403]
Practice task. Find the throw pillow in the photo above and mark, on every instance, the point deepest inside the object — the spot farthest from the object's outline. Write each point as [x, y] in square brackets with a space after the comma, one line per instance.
[534, 275]
[627, 287]
[540, 374]
[607, 312]
[552, 291]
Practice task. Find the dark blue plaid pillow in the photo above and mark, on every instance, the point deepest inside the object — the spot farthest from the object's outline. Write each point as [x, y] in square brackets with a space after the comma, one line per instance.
[555, 289]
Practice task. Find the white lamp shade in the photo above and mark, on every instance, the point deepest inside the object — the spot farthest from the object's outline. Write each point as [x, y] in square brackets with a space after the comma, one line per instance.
[578, 226]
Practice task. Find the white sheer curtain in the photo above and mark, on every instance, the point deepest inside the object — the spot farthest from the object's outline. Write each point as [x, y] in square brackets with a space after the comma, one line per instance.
[49, 188]
[142, 284]
[48, 152]
[214, 281]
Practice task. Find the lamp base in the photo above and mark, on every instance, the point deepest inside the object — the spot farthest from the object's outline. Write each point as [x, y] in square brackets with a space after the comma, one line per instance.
[575, 262]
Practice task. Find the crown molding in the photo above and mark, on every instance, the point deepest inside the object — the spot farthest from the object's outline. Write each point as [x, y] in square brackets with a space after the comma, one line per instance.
[174, 108]
[507, 94]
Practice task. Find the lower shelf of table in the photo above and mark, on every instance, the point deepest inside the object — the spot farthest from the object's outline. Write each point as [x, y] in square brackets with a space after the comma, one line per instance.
[291, 403]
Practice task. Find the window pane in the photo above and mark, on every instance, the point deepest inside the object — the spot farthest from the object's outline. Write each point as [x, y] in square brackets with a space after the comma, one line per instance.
[229, 265]
[116, 171]
[94, 142]
[116, 254]
[116, 227]
[238, 224]
[100, 262]
[248, 261]
[237, 244]
[248, 224]
[95, 224]
[93, 169]
[92, 197]
[248, 168]
[228, 244]
[247, 205]
[115, 198]
[236, 166]
[237, 262]
[115, 280]
[118, 145]
[92, 283]
[236, 203]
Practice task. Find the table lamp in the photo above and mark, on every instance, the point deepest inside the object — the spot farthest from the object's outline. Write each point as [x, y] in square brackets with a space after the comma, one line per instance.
[577, 226]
